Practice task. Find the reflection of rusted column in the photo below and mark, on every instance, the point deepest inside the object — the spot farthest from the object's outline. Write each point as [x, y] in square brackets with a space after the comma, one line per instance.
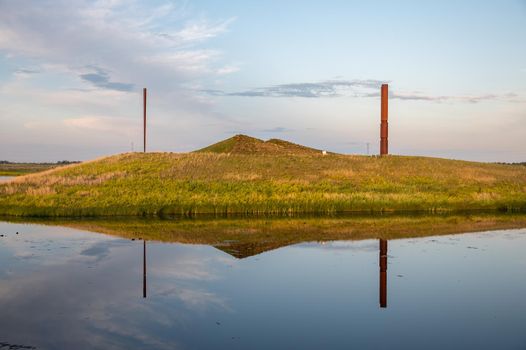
[384, 125]
[383, 273]
[144, 117]
[144, 269]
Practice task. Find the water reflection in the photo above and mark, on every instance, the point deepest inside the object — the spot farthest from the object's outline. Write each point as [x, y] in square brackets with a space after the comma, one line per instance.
[383, 273]
[144, 270]
[63, 288]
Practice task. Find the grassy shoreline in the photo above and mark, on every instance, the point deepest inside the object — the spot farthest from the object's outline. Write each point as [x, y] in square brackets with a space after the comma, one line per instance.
[242, 237]
[164, 184]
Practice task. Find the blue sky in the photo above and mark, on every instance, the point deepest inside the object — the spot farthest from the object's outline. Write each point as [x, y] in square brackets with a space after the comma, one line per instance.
[71, 74]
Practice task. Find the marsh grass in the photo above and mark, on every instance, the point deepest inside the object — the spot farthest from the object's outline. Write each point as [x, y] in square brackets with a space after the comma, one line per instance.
[221, 183]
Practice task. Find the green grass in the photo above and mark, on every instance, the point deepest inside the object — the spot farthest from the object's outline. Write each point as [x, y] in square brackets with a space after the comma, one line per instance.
[244, 237]
[218, 183]
[251, 176]
[17, 169]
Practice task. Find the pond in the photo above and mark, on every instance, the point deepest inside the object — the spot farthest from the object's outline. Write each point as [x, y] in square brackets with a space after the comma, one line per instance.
[65, 286]
[6, 178]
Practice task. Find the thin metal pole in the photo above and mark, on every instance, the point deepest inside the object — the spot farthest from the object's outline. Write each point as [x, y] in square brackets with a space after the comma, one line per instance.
[384, 124]
[144, 118]
[144, 270]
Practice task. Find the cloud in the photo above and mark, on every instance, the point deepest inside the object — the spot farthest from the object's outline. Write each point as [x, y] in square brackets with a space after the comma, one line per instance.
[354, 88]
[227, 70]
[24, 72]
[102, 123]
[197, 31]
[101, 79]
[278, 129]
[89, 56]
[510, 97]
[327, 88]
[139, 43]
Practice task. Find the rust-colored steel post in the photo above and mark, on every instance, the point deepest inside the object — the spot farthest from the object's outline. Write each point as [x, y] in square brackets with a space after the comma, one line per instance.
[384, 124]
[144, 270]
[144, 117]
[383, 273]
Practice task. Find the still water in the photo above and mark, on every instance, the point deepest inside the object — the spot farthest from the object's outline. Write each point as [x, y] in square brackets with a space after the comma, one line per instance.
[5, 178]
[65, 288]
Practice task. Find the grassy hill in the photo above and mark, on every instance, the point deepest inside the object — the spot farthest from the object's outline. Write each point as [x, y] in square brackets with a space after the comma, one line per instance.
[242, 144]
[246, 175]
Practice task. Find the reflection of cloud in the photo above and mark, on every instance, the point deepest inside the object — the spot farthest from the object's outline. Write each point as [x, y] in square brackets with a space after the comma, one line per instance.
[357, 246]
[189, 266]
[196, 299]
[101, 250]
[70, 300]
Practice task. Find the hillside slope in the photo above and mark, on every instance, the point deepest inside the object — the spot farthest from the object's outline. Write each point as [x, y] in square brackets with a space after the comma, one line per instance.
[206, 182]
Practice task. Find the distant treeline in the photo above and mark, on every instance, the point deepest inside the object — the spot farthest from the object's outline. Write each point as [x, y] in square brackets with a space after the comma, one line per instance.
[519, 163]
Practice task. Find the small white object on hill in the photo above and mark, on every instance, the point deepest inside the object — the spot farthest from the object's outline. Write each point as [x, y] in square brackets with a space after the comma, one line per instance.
[324, 153]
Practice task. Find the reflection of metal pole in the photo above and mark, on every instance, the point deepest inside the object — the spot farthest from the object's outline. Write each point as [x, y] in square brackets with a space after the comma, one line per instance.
[144, 270]
[383, 273]
[383, 125]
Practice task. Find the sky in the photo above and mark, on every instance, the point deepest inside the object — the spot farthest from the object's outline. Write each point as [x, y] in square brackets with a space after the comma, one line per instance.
[72, 74]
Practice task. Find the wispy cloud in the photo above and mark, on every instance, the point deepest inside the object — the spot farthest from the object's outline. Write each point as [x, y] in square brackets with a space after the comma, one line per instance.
[327, 88]
[354, 88]
[102, 123]
[139, 43]
[197, 31]
[101, 79]
[24, 72]
[89, 56]
[278, 129]
[510, 97]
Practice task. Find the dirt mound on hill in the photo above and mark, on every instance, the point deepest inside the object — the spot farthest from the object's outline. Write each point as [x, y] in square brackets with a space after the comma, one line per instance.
[242, 144]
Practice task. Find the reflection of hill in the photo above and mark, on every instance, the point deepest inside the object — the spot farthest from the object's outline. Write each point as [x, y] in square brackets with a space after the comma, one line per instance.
[244, 237]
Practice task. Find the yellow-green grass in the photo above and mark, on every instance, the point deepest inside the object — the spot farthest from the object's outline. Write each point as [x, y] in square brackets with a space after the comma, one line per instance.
[219, 183]
[244, 237]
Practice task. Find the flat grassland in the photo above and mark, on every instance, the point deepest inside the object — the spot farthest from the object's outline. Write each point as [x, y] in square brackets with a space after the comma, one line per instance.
[243, 178]
[16, 169]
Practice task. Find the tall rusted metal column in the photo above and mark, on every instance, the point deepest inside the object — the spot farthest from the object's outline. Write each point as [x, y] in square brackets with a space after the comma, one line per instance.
[383, 273]
[384, 125]
[144, 117]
